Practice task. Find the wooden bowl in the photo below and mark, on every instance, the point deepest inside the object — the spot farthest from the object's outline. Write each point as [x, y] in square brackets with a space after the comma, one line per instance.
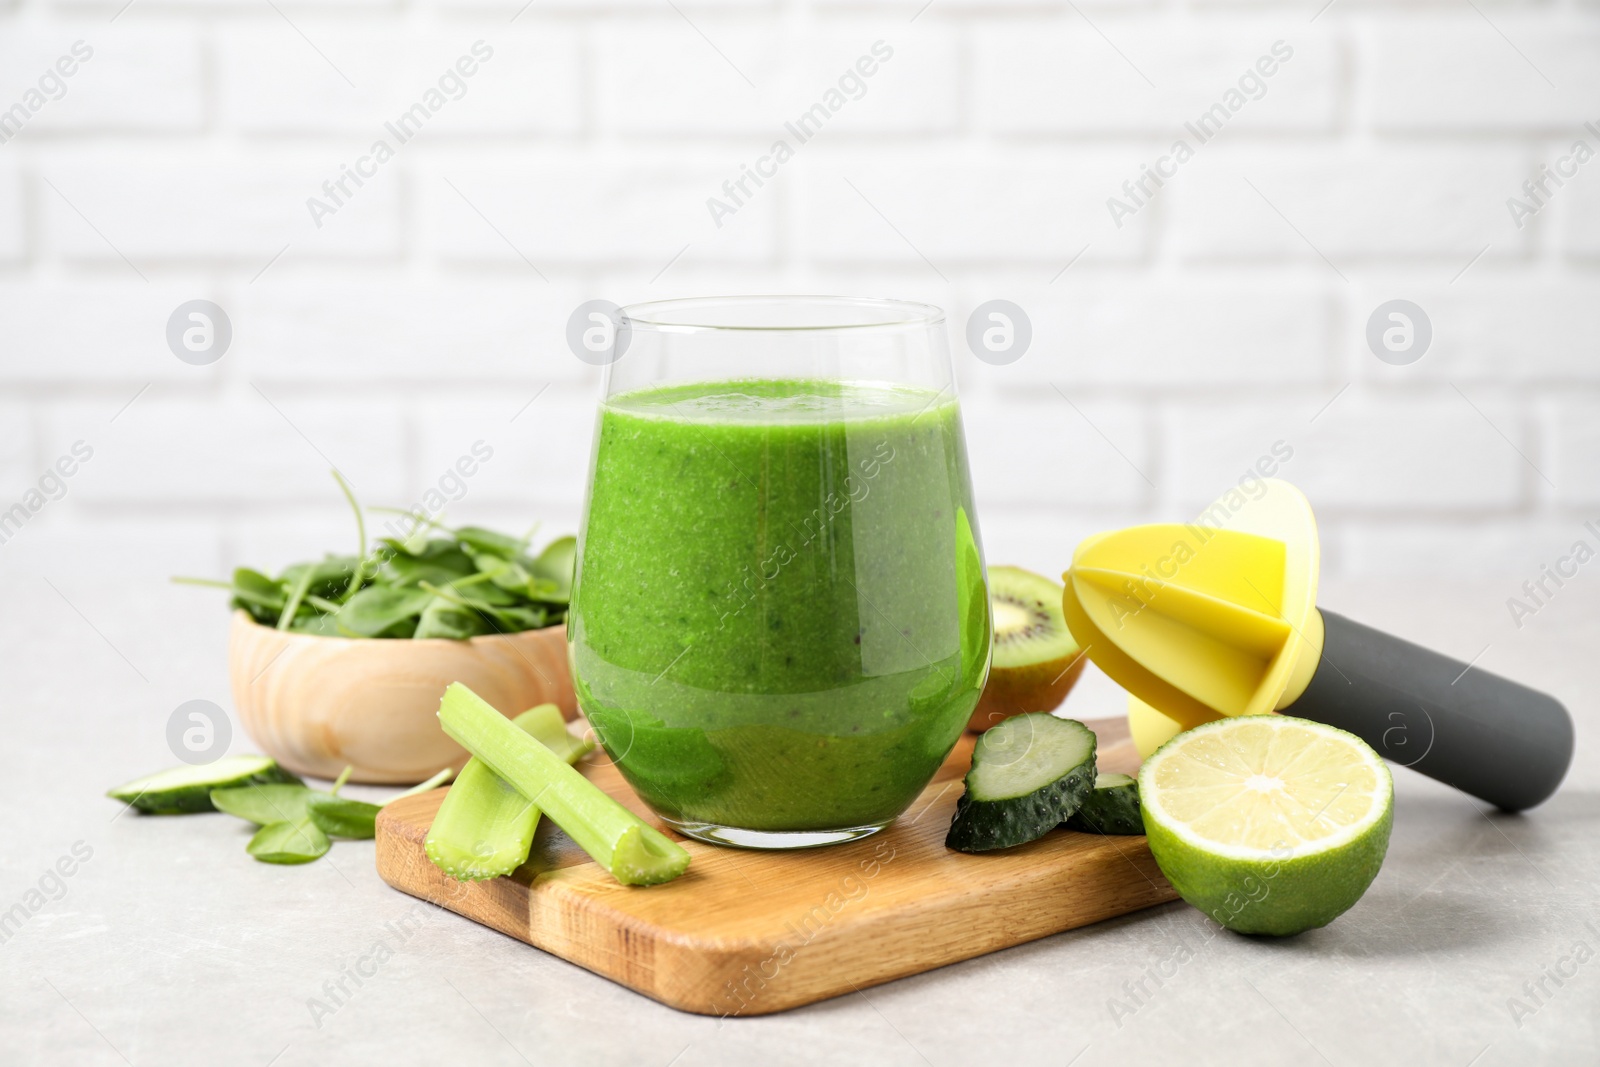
[316, 704]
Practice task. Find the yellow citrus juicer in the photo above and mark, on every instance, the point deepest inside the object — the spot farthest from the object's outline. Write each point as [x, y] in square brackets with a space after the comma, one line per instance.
[1218, 617]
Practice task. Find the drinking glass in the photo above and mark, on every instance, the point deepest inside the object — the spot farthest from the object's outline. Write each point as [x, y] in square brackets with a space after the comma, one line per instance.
[779, 622]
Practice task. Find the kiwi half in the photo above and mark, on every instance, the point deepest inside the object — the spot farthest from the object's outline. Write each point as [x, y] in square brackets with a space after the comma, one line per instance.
[1036, 661]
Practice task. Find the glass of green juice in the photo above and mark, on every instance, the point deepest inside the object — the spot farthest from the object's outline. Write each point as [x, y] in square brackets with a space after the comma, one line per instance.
[779, 623]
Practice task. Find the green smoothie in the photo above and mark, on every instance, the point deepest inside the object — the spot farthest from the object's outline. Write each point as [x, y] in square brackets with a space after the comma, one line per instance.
[779, 621]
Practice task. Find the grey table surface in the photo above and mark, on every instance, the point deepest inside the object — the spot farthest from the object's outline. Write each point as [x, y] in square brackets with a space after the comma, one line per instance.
[168, 945]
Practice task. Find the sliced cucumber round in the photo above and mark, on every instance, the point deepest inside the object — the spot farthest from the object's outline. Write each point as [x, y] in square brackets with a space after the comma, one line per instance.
[1112, 807]
[1029, 774]
[184, 790]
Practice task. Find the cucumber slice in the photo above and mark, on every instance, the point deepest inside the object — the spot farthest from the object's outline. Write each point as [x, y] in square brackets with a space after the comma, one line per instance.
[184, 790]
[484, 828]
[1111, 808]
[1029, 775]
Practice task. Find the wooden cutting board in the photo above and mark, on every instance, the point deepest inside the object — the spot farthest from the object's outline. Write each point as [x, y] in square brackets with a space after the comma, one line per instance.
[748, 933]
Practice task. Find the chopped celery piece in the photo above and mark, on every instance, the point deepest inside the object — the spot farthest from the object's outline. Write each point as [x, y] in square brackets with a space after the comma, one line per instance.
[485, 827]
[635, 852]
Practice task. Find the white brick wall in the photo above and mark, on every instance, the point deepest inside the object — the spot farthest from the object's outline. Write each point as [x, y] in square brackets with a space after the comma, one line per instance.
[1025, 449]
[614, 208]
[1197, 333]
[269, 448]
[1576, 446]
[1389, 457]
[966, 209]
[13, 240]
[318, 332]
[272, 83]
[1403, 200]
[1454, 72]
[1224, 315]
[101, 332]
[1582, 205]
[126, 78]
[16, 446]
[1060, 76]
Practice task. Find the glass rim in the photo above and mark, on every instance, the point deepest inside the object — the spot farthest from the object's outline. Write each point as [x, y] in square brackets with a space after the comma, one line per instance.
[699, 313]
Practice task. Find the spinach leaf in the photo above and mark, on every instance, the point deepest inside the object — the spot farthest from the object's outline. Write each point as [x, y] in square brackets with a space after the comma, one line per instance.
[481, 589]
[489, 541]
[508, 574]
[327, 578]
[300, 841]
[444, 567]
[378, 610]
[322, 625]
[514, 619]
[498, 617]
[259, 595]
[298, 589]
[442, 618]
[471, 582]
[263, 804]
[341, 817]
[556, 564]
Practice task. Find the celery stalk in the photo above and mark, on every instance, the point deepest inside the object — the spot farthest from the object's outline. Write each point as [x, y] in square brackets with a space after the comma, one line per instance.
[484, 828]
[635, 852]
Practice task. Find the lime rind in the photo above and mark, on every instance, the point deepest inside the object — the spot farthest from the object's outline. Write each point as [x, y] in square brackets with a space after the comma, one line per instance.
[1154, 796]
[1280, 895]
[1315, 869]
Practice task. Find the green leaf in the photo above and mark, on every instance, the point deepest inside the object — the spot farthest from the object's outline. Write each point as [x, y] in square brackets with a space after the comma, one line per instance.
[481, 589]
[404, 630]
[472, 582]
[254, 584]
[328, 576]
[514, 619]
[437, 548]
[342, 817]
[300, 841]
[378, 610]
[495, 610]
[440, 561]
[442, 618]
[297, 593]
[361, 535]
[320, 625]
[489, 541]
[257, 594]
[554, 569]
[507, 574]
[263, 804]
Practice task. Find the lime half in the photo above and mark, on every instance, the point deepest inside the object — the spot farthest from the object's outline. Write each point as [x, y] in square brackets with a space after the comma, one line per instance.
[1268, 824]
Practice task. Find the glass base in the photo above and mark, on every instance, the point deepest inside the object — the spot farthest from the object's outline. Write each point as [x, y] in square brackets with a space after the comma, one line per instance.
[770, 839]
